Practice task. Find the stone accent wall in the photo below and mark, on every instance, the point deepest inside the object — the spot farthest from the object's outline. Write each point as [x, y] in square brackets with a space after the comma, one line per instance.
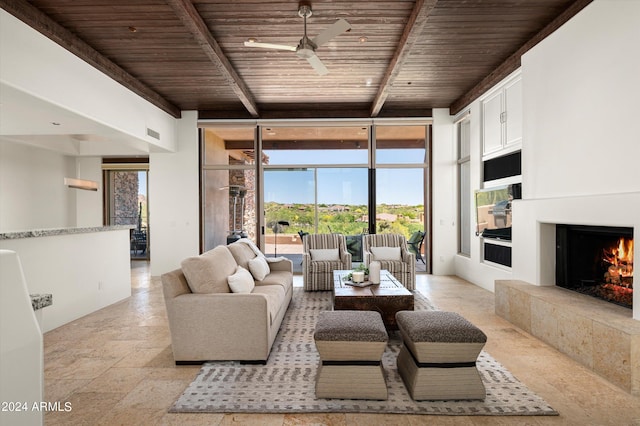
[245, 178]
[125, 203]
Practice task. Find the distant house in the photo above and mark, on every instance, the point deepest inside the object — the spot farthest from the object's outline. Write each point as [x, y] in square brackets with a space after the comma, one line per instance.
[387, 217]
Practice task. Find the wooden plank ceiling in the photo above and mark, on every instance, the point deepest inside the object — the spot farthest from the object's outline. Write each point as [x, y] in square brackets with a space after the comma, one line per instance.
[400, 58]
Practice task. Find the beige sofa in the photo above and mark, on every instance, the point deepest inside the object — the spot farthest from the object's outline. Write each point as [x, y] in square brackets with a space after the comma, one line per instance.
[213, 323]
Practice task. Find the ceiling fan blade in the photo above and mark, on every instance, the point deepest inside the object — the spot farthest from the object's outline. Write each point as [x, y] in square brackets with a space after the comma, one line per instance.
[317, 65]
[269, 46]
[334, 30]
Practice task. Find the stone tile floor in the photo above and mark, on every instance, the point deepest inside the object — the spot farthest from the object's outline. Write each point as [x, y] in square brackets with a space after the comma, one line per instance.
[115, 367]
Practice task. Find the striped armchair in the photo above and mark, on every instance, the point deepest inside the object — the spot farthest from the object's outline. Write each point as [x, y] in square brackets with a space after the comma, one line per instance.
[318, 273]
[405, 269]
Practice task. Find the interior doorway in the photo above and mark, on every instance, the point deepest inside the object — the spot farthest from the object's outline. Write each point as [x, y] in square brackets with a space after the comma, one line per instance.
[126, 203]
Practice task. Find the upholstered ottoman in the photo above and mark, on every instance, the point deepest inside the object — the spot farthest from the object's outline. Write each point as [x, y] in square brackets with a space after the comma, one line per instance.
[350, 344]
[438, 358]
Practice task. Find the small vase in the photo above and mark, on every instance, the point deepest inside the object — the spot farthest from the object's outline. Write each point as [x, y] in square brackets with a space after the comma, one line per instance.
[374, 272]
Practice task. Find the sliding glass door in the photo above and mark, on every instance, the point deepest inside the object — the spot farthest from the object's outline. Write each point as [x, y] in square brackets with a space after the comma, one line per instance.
[312, 200]
[315, 181]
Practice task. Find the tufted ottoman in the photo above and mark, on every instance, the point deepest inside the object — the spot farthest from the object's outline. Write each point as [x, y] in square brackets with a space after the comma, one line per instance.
[350, 344]
[438, 357]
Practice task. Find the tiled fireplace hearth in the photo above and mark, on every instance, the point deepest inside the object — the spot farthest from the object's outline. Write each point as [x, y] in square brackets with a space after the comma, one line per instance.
[602, 336]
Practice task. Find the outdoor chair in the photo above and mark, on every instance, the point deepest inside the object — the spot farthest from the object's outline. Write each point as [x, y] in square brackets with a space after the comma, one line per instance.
[383, 248]
[415, 244]
[321, 255]
[139, 241]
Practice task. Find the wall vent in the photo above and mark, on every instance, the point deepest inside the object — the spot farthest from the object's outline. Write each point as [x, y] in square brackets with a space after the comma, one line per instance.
[153, 133]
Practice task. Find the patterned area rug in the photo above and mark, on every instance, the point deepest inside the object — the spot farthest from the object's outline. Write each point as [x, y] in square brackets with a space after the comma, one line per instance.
[287, 382]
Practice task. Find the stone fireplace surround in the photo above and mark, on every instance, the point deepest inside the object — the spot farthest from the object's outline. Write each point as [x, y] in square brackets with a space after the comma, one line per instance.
[602, 336]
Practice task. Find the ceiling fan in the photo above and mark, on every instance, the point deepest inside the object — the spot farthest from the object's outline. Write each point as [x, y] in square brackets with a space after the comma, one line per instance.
[306, 49]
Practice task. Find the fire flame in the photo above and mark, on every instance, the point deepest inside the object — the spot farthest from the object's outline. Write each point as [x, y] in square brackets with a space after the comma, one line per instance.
[620, 257]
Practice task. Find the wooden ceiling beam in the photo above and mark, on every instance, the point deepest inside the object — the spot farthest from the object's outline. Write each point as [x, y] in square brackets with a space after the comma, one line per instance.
[42, 23]
[186, 11]
[513, 62]
[412, 31]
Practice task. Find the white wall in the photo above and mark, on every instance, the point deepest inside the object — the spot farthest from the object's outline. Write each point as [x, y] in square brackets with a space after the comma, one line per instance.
[174, 199]
[84, 272]
[21, 346]
[36, 65]
[89, 203]
[581, 92]
[32, 194]
[444, 193]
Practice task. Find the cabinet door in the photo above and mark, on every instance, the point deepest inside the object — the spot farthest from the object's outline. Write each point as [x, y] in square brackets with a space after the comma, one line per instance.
[513, 108]
[492, 124]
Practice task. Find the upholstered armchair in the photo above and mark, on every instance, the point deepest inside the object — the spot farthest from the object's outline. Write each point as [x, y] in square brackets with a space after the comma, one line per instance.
[321, 255]
[392, 253]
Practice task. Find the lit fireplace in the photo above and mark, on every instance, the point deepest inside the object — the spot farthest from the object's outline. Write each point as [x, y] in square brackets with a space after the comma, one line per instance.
[597, 261]
[618, 278]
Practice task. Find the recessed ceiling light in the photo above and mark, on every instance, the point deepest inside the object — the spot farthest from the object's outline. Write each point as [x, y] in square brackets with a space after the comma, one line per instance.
[252, 40]
[363, 39]
[133, 29]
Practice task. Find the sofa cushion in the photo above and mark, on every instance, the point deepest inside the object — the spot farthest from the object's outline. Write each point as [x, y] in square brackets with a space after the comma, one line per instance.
[386, 253]
[321, 255]
[276, 297]
[242, 253]
[208, 272]
[241, 281]
[283, 279]
[259, 267]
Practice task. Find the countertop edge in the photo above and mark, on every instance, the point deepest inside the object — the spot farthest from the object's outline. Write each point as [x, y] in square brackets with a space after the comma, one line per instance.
[34, 233]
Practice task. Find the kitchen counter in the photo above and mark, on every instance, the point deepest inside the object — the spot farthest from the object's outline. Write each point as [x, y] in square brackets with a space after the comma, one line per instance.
[33, 233]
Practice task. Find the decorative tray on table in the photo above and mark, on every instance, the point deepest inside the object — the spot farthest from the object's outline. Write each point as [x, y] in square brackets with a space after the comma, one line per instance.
[362, 284]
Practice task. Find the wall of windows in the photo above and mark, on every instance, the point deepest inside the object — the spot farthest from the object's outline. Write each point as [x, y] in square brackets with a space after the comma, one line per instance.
[312, 178]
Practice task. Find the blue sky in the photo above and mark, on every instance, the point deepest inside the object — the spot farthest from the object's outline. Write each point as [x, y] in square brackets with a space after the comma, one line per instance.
[342, 185]
[142, 183]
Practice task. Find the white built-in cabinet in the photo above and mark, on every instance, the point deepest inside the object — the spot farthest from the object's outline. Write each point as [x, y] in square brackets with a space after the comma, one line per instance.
[502, 118]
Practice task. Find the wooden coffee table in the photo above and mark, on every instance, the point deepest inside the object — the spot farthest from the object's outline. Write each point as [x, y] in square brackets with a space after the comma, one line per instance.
[388, 297]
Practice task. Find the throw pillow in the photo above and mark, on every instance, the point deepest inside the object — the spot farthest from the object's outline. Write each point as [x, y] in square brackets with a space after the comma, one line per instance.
[208, 272]
[241, 281]
[386, 253]
[259, 268]
[324, 254]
